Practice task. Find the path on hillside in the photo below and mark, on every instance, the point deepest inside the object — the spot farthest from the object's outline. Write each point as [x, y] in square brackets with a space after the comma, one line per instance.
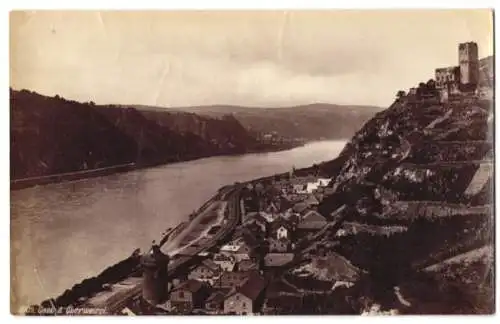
[469, 256]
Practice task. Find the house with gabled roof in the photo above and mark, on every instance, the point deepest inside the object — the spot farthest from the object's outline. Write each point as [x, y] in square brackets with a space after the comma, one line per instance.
[187, 296]
[224, 261]
[239, 248]
[312, 221]
[232, 279]
[206, 271]
[279, 245]
[313, 215]
[246, 299]
[280, 228]
[244, 252]
[215, 302]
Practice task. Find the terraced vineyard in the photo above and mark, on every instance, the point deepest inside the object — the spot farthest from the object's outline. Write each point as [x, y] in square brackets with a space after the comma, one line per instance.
[417, 183]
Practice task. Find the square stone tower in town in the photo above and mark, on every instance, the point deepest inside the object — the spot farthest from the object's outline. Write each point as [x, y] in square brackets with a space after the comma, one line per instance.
[469, 65]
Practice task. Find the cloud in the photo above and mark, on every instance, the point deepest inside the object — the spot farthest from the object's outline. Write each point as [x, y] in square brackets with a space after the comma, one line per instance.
[245, 58]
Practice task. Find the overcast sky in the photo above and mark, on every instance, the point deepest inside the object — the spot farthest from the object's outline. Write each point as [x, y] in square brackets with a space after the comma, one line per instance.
[252, 58]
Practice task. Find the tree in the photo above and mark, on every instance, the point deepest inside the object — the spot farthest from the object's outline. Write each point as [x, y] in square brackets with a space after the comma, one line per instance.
[431, 84]
[400, 94]
[422, 88]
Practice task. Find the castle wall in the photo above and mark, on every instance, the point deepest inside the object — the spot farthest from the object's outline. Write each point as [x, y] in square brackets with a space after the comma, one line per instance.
[464, 78]
[447, 75]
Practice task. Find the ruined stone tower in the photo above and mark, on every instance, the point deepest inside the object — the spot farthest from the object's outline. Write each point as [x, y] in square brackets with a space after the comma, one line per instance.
[469, 65]
[155, 275]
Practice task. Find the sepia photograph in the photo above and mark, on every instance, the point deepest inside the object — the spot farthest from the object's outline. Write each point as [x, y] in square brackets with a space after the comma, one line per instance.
[251, 162]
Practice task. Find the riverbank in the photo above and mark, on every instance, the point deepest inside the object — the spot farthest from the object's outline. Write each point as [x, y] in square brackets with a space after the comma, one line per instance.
[70, 176]
[80, 293]
[97, 213]
[24, 183]
[102, 284]
[126, 268]
[194, 228]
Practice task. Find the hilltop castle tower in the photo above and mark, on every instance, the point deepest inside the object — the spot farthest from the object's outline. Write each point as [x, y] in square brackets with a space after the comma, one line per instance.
[155, 275]
[468, 58]
[462, 79]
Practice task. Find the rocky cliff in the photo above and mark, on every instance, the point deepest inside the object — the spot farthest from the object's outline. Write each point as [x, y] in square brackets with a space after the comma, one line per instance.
[224, 131]
[417, 183]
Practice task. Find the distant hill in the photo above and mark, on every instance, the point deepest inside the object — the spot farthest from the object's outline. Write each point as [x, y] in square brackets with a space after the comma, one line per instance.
[311, 122]
[52, 135]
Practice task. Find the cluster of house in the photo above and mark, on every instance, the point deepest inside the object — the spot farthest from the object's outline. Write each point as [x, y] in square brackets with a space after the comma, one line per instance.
[231, 279]
[309, 187]
[296, 190]
[274, 138]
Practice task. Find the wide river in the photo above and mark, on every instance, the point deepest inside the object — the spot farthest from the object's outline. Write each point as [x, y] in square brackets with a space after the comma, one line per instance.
[62, 233]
